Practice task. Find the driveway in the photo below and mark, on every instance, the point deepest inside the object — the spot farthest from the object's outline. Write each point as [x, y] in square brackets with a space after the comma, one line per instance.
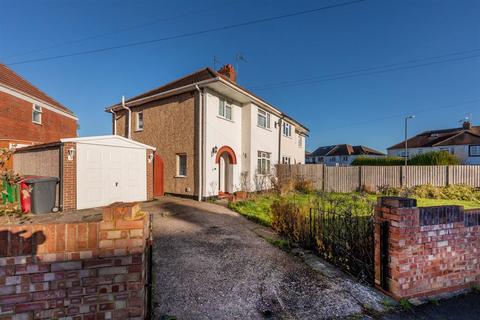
[209, 263]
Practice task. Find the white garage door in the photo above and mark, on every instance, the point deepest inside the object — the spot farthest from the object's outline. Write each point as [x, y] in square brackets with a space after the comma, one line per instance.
[107, 174]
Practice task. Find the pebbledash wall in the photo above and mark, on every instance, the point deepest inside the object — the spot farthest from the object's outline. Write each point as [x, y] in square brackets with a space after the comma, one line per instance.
[423, 252]
[82, 270]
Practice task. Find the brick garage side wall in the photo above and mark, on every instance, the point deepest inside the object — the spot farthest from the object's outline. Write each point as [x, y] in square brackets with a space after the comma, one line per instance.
[88, 270]
[426, 260]
[69, 178]
[16, 120]
[150, 174]
[170, 127]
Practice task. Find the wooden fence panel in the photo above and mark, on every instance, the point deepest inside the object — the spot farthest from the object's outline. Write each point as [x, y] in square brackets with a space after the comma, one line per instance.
[469, 175]
[419, 175]
[376, 176]
[342, 179]
[349, 179]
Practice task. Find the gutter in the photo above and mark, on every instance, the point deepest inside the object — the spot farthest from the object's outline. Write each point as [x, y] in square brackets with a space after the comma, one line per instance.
[200, 141]
[114, 122]
[124, 106]
[280, 123]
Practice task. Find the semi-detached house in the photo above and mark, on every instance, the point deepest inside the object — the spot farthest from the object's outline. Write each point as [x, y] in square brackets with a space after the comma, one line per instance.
[213, 135]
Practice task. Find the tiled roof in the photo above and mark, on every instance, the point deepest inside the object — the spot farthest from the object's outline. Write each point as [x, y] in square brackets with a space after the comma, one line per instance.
[200, 75]
[344, 150]
[11, 79]
[445, 137]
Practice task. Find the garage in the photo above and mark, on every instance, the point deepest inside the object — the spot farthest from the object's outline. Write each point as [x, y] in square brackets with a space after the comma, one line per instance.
[93, 171]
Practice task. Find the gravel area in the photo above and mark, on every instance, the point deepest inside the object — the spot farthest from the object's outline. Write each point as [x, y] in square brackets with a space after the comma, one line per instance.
[209, 263]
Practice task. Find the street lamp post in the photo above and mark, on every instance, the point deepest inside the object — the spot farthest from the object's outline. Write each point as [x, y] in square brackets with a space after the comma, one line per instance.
[406, 144]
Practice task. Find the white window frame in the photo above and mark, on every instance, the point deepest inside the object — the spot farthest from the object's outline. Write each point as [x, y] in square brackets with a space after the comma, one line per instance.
[263, 162]
[476, 153]
[225, 107]
[138, 127]
[345, 158]
[300, 141]
[287, 129]
[180, 174]
[262, 114]
[36, 109]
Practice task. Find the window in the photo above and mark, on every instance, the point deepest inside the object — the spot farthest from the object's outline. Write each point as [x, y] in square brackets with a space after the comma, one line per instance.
[287, 129]
[224, 109]
[300, 141]
[263, 119]
[37, 114]
[263, 165]
[344, 158]
[474, 151]
[449, 150]
[181, 165]
[333, 159]
[286, 160]
[140, 120]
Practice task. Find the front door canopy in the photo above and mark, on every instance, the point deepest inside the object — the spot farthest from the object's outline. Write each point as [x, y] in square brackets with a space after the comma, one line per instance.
[229, 151]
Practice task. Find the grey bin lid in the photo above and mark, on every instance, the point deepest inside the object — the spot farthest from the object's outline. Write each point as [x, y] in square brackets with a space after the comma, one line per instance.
[41, 179]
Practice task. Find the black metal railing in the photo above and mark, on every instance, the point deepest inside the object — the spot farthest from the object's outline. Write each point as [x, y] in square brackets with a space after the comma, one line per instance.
[345, 239]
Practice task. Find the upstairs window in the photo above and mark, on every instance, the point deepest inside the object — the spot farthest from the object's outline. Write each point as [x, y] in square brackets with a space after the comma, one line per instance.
[263, 164]
[140, 121]
[263, 119]
[37, 114]
[474, 151]
[286, 160]
[300, 141]
[287, 129]
[224, 109]
[181, 165]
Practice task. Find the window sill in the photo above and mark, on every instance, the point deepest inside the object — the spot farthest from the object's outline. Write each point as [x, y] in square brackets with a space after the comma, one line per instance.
[226, 119]
[37, 123]
[289, 137]
[180, 177]
[264, 128]
[138, 130]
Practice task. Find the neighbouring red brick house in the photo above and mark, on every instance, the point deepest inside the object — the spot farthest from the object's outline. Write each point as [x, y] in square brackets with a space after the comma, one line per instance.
[28, 116]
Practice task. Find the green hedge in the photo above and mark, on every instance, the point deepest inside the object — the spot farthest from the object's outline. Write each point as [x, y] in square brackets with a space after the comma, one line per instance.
[433, 158]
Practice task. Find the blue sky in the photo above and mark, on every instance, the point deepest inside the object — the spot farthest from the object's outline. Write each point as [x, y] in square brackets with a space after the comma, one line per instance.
[365, 109]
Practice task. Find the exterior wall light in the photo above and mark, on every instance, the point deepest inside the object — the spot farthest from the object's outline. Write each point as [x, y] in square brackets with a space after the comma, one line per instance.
[214, 150]
[70, 154]
[150, 157]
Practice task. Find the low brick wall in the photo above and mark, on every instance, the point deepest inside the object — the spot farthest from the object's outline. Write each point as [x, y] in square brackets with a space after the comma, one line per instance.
[427, 251]
[84, 270]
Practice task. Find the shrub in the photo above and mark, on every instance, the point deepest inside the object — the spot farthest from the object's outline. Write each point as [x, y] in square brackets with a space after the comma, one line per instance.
[303, 185]
[434, 158]
[289, 220]
[383, 161]
[428, 191]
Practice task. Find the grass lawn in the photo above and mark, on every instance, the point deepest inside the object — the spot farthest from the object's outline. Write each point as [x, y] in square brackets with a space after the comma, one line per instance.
[258, 208]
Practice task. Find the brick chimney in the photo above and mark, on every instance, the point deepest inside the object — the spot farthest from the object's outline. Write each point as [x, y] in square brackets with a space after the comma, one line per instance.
[228, 71]
[467, 125]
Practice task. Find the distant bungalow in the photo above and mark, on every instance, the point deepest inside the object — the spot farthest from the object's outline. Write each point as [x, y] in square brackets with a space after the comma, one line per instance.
[340, 154]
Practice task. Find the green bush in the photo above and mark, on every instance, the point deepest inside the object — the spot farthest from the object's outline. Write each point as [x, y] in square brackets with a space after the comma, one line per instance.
[433, 158]
[384, 161]
[428, 191]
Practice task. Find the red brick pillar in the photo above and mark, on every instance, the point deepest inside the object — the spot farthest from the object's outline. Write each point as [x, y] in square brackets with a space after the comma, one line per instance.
[397, 219]
[69, 177]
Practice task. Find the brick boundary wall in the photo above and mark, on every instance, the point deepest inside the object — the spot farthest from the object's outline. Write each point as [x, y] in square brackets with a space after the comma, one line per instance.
[85, 270]
[431, 251]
